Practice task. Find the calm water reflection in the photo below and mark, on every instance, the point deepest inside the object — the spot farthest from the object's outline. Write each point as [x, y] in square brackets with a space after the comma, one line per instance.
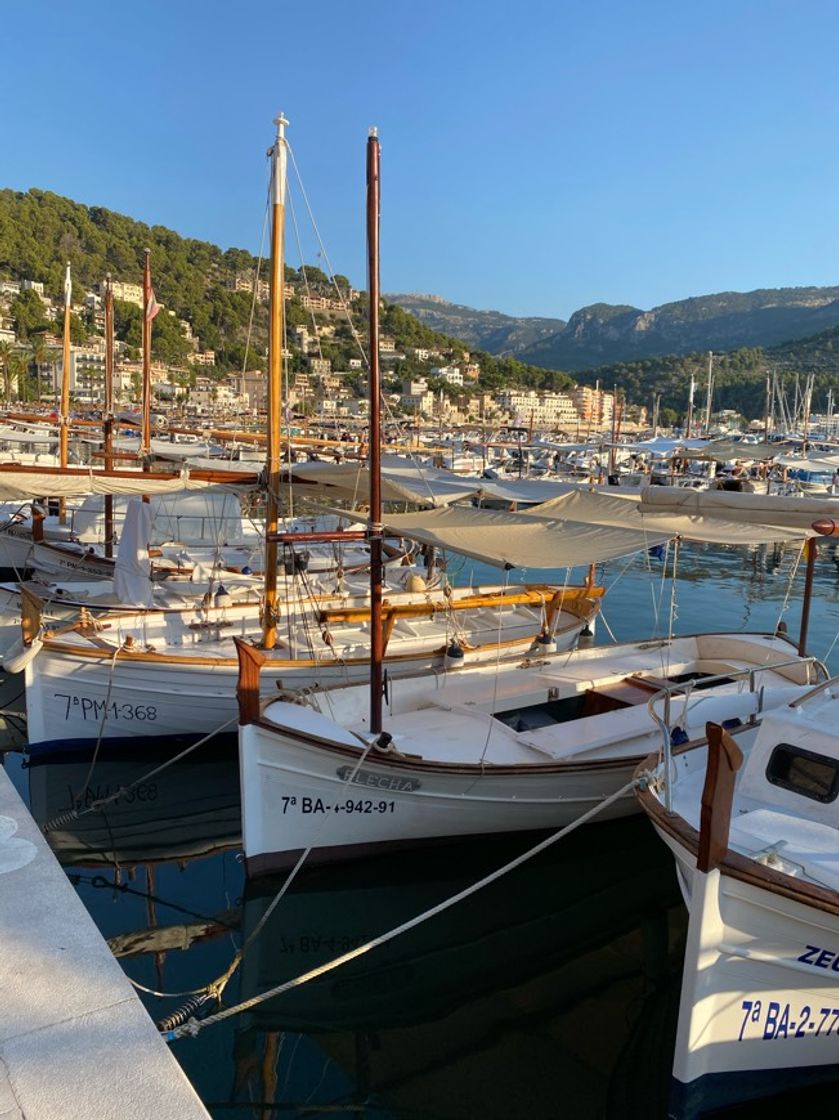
[551, 993]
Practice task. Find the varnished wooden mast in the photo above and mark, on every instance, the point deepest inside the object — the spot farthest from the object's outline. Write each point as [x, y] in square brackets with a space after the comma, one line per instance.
[145, 442]
[64, 410]
[810, 553]
[275, 364]
[373, 288]
[108, 413]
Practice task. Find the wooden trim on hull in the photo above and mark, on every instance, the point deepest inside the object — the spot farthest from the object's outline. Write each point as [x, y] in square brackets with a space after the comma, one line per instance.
[106, 652]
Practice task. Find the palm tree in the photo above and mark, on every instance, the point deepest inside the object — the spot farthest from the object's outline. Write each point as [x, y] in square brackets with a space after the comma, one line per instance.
[39, 357]
[5, 366]
[15, 375]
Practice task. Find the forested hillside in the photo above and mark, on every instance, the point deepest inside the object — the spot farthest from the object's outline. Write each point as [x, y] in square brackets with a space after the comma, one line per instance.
[41, 231]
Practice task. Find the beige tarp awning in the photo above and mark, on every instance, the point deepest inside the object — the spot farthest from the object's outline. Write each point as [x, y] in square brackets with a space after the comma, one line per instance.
[583, 527]
[753, 510]
[23, 485]
[723, 450]
[406, 481]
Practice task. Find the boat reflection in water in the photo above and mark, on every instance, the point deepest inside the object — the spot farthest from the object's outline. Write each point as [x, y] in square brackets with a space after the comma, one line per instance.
[165, 813]
[154, 853]
[511, 1003]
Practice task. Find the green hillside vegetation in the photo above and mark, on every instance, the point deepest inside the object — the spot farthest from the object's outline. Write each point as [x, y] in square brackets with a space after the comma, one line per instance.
[739, 375]
[41, 231]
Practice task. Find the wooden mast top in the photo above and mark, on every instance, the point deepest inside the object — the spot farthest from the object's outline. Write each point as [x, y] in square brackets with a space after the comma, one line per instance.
[64, 411]
[373, 289]
[278, 154]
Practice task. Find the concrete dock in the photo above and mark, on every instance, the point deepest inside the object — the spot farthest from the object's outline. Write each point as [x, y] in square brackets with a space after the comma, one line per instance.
[76, 1043]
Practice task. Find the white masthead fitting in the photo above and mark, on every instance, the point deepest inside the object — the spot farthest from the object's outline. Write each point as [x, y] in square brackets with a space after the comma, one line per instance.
[373, 132]
[281, 121]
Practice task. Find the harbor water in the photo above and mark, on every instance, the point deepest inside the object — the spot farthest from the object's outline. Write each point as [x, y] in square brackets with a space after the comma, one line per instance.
[550, 993]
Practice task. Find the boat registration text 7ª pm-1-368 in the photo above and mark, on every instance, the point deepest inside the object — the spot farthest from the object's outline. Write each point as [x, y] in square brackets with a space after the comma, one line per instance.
[90, 708]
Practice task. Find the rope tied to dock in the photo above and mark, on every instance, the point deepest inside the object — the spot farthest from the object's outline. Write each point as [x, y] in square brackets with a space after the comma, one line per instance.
[97, 806]
[192, 1027]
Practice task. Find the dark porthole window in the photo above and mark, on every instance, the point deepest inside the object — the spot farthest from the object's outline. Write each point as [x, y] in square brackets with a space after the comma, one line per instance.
[811, 775]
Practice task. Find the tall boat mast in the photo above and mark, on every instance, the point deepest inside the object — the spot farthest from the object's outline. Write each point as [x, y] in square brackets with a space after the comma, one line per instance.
[275, 359]
[709, 395]
[149, 312]
[374, 461]
[689, 422]
[64, 411]
[108, 413]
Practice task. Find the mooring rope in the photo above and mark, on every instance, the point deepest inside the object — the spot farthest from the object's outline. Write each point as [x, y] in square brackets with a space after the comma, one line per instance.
[101, 803]
[193, 1026]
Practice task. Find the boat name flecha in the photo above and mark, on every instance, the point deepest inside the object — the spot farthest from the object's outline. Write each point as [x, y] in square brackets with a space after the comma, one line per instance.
[379, 781]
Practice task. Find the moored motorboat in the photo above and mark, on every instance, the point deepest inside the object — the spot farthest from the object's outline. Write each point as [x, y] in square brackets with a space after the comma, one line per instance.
[753, 825]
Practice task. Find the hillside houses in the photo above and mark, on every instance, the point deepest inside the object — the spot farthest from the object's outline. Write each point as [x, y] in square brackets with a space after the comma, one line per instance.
[324, 367]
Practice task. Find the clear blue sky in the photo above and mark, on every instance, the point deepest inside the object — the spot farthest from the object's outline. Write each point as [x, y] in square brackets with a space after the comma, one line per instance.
[536, 157]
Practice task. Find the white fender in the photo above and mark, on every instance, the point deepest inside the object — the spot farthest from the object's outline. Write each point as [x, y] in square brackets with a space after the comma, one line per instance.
[18, 655]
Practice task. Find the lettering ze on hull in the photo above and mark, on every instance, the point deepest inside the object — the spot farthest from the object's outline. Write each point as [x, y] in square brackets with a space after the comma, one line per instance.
[379, 781]
[820, 958]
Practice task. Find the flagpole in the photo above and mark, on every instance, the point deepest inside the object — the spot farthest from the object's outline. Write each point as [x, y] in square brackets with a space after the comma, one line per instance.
[64, 412]
[148, 315]
[278, 155]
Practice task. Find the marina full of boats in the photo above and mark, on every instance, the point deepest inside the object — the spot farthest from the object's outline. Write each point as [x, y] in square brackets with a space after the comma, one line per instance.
[384, 701]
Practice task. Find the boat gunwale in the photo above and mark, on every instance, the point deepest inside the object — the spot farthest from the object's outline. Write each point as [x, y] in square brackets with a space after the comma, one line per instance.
[486, 769]
[732, 864]
[55, 645]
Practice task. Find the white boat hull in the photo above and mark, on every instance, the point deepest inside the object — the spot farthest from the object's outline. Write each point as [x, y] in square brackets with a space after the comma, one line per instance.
[760, 993]
[74, 699]
[510, 748]
[294, 798]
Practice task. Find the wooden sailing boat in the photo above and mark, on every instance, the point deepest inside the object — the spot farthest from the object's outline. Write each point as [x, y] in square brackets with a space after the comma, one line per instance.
[169, 673]
[510, 746]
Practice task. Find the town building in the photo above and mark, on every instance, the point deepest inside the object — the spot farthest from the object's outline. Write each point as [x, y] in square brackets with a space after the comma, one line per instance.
[128, 293]
[202, 358]
[451, 374]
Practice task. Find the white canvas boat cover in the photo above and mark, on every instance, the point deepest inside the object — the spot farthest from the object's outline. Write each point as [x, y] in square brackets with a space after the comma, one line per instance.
[582, 527]
[825, 463]
[132, 571]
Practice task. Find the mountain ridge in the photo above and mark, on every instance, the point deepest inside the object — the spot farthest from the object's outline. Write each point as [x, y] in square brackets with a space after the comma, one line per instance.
[494, 331]
[602, 333]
